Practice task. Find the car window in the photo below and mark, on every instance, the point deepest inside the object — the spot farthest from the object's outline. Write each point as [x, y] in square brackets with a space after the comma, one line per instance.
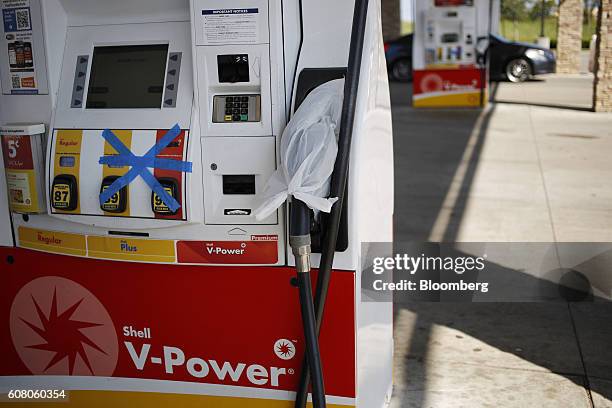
[405, 40]
[497, 37]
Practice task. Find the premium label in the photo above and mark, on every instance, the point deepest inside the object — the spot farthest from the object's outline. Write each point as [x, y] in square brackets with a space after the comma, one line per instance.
[228, 252]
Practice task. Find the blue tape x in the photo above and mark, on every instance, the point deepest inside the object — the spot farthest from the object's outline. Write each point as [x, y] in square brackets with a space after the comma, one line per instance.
[141, 164]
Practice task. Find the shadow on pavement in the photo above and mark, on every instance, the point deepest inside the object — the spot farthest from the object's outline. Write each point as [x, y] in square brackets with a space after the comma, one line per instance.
[560, 337]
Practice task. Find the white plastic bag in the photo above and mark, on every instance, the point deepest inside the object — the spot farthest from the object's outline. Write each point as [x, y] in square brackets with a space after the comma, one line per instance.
[308, 153]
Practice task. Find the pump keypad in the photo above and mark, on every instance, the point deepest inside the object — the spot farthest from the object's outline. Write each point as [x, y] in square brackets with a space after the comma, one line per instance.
[117, 203]
[64, 193]
[237, 108]
[157, 204]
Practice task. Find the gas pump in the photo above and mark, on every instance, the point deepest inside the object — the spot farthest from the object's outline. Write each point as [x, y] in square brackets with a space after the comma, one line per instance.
[449, 68]
[144, 277]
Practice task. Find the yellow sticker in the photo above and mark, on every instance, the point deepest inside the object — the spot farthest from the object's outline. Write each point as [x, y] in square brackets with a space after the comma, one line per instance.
[67, 162]
[146, 250]
[52, 241]
[22, 191]
[159, 206]
[60, 196]
[125, 136]
[115, 203]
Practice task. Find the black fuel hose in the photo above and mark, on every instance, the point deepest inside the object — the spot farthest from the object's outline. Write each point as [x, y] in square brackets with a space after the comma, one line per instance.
[299, 240]
[339, 179]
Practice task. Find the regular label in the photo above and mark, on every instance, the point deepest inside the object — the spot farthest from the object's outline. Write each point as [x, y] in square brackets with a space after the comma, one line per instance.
[52, 241]
[237, 26]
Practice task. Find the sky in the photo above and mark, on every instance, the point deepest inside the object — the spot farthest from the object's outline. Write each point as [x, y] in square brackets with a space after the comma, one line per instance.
[406, 7]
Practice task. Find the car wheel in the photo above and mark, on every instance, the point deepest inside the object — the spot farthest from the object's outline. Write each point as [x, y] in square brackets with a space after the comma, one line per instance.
[401, 70]
[518, 70]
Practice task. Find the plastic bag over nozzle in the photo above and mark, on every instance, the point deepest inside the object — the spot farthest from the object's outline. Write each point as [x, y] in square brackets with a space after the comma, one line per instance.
[308, 153]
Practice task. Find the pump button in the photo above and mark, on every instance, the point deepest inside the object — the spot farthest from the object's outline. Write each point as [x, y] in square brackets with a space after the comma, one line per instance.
[157, 204]
[118, 201]
[64, 193]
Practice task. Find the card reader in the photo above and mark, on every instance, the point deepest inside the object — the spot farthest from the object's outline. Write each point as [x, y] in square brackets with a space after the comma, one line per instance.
[236, 108]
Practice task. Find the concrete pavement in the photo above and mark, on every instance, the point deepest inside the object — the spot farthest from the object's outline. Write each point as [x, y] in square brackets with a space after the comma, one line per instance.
[514, 172]
[571, 91]
[565, 91]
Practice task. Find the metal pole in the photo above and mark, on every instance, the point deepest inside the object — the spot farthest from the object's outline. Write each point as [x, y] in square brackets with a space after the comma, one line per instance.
[542, 18]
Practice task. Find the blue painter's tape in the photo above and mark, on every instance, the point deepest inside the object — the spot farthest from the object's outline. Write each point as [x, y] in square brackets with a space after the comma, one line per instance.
[141, 164]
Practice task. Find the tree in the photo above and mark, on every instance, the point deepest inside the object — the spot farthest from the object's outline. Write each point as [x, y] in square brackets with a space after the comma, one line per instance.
[536, 10]
[513, 9]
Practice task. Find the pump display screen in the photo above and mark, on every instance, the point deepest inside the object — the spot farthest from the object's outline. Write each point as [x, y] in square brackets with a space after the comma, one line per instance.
[127, 77]
[450, 38]
[446, 3]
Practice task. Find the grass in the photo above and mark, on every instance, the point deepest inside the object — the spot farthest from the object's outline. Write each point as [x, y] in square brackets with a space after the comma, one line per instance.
[528, 30]
[407, 27]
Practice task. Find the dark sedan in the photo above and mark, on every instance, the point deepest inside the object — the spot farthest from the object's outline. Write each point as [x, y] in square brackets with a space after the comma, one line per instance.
[513, 61]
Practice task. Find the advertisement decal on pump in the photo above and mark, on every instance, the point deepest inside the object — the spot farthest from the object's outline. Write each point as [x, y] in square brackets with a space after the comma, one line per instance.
[18, 39]
[192, 334]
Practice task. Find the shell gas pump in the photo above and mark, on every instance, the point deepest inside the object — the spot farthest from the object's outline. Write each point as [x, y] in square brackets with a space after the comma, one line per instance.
[449, 48]
[140, 139]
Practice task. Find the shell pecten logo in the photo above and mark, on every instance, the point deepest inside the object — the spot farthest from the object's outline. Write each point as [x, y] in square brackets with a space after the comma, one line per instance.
[284, 349]
[58, 327]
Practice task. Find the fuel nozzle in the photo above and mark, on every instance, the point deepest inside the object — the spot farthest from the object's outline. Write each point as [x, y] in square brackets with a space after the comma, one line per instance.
[300, 246]
[299, 235]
